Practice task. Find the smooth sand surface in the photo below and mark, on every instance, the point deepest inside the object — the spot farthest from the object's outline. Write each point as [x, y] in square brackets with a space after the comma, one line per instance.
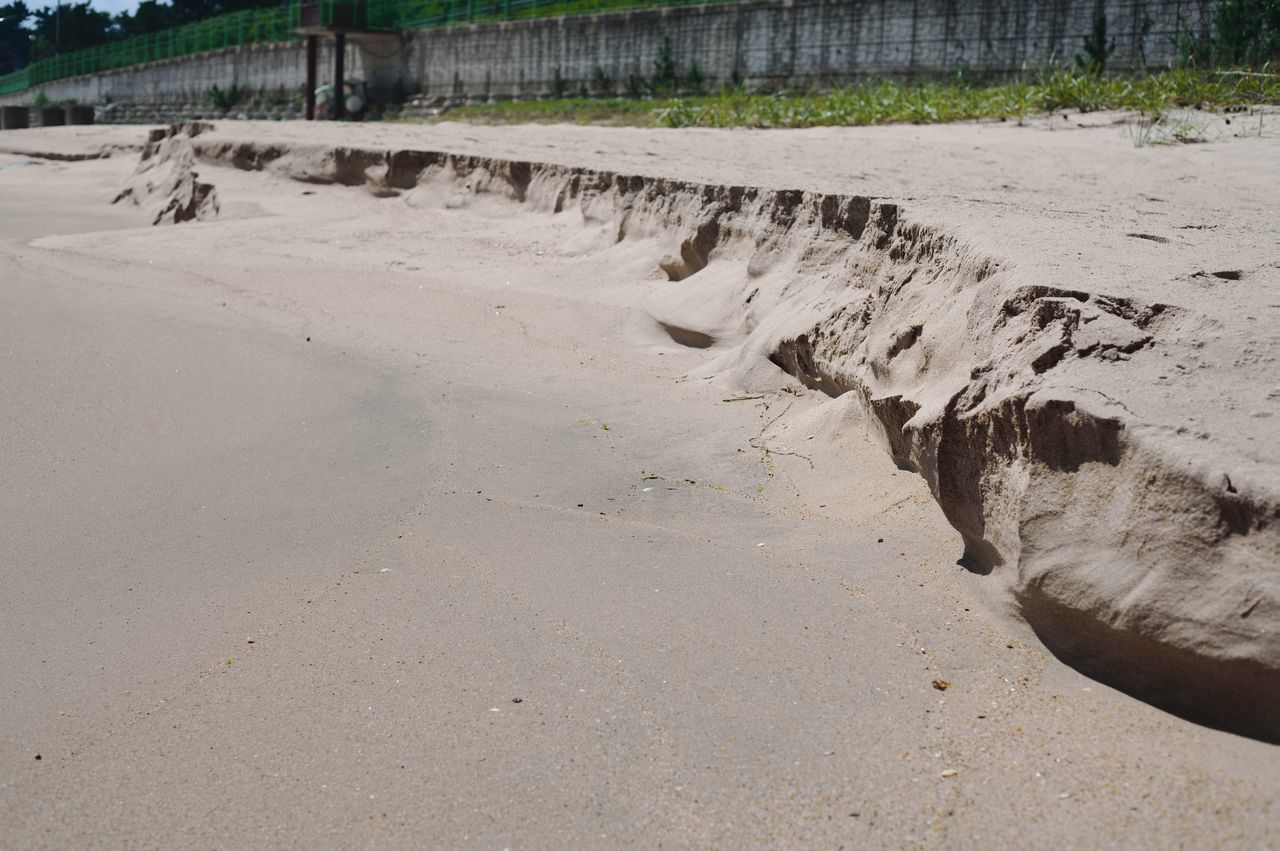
[345, 521]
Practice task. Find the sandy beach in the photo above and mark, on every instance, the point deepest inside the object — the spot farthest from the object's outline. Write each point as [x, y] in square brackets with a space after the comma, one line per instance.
[514, 499]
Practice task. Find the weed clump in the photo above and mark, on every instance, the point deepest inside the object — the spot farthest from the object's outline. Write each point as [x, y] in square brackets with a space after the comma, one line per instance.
[885, 102]
[230, 96]
[1245, 33]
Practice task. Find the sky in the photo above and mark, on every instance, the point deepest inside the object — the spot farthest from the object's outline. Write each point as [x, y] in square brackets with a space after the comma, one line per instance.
[112, 6]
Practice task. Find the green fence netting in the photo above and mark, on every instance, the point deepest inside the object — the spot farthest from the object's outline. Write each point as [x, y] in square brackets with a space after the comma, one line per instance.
[258, 26]
[249, 27]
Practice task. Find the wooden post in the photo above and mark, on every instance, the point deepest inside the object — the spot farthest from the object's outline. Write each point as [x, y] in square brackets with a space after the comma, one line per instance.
[313, 51]
[339, 72]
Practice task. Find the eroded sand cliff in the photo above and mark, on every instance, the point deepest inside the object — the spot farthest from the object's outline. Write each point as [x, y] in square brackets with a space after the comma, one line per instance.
[305, 494]
[1140, 550]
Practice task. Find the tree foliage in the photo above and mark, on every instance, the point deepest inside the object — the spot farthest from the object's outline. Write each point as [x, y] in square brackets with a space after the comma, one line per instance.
[70, 26]
[28, 34]
[15, 40]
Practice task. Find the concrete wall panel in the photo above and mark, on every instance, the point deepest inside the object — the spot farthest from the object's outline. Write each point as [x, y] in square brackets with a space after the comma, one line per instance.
[766, 44]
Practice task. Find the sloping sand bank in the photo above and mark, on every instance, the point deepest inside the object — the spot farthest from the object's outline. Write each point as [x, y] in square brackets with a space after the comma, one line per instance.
[411, 511]
[1075, 436]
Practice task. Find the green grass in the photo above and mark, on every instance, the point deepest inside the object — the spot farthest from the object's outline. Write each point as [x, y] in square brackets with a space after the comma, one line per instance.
[888, 102]
[446, 12]
[613, 111]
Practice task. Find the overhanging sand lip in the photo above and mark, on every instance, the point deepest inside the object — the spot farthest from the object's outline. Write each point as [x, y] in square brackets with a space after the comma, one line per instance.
[1047, 418]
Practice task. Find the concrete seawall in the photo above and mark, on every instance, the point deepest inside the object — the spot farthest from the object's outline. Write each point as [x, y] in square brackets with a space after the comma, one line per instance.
[760, 43]
[261, 66]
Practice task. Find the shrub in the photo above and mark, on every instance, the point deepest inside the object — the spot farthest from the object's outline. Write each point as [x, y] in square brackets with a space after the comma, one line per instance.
[666, 78]
[1244, 33]
[1097, 48]
[228, 97]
